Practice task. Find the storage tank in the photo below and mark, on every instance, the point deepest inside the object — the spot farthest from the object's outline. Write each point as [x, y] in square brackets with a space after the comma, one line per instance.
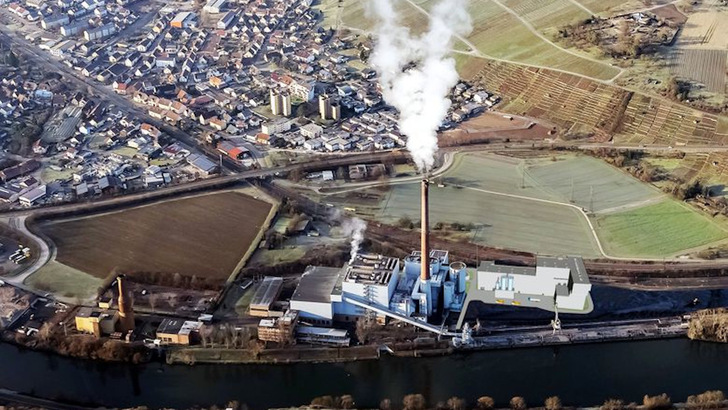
[412, 265]
[434, 266]
[447, 294]
[458, 275]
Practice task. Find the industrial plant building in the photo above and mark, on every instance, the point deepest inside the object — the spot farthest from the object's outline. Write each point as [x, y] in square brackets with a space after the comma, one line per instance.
[95, 321]
[326, 295]
[423, 291]
[103, 320]
[264, 297]
[278, 330]
[558, 284]
[178, 331]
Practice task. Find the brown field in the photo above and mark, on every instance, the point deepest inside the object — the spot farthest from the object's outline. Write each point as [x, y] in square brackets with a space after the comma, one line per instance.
[205, 236]
[702, 50]
[705, 66]
[495, 126]
[568, 101]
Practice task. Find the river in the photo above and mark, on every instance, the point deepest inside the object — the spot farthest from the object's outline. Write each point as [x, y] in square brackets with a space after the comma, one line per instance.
[582, 374]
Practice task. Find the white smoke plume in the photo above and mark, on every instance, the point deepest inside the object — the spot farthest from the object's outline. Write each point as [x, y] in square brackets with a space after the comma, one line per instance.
[420, 92]
[354, 227]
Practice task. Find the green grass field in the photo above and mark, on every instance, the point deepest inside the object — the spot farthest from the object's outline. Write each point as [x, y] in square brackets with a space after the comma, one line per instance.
[594, 182]
[658, 230]
[544, 14]
[64, 281]
[504, 222]
[496, 32]
[590, 183]
[638, 220]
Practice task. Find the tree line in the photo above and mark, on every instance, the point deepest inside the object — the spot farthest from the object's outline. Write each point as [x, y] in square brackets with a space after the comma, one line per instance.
[711, 399]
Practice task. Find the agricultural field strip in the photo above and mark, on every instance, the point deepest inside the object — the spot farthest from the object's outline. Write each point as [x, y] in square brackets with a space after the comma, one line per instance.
[546, 40]
[583, 7]
[627, 191]
[704, 65]
[563, 64]
[592, 230]
[544, 14]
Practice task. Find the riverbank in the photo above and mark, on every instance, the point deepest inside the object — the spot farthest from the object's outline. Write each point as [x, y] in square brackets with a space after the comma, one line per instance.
[653, 329]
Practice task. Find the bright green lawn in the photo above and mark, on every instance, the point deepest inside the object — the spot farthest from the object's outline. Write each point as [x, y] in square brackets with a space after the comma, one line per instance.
[658, 230]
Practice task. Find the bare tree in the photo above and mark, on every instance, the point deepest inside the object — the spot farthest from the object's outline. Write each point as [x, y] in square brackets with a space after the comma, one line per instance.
[153, 300]
[347, 401]
[553, 403]
[612, 404]
[206, 335]
[45, 332]
[172, 301]
[234, 335]
[456, 403]
[485, 403]
[518, 403]
[659, 402]
[414, 402]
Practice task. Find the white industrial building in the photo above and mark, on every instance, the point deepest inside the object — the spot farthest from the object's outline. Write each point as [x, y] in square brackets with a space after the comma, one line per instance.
[555, 284]
[382, 283]
[394, 289]
[423, 292]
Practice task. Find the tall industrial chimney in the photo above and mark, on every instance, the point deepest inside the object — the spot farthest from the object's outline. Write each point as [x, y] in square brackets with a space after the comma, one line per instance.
[425, 232]
[126, 311]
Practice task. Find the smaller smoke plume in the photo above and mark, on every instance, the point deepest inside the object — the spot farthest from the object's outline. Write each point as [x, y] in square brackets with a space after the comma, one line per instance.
[354, 228]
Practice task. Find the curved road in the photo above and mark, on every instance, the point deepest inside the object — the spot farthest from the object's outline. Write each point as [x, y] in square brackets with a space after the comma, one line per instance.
[18, 223]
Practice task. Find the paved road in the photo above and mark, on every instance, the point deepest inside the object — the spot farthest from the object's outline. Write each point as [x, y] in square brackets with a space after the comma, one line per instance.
[659, 148]
[197, 186]
[18, 223]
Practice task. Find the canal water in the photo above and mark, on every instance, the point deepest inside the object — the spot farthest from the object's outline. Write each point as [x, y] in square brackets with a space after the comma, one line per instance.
[583, 374]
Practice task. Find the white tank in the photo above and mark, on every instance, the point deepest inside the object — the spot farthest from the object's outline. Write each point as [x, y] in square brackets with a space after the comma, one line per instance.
[458, 275]
[412, 266]
[447, 294]
[434, 266]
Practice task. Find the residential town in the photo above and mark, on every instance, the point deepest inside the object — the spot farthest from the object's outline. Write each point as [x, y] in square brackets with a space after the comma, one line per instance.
[244, 78]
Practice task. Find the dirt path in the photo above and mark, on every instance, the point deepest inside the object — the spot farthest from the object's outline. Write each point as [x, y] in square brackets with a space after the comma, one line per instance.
[583, 7]
[547, 41]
